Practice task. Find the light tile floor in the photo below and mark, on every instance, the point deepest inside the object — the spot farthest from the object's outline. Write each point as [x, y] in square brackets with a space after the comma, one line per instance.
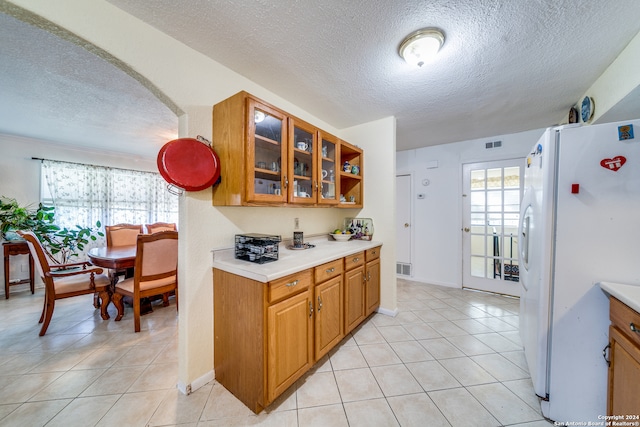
[449, 358]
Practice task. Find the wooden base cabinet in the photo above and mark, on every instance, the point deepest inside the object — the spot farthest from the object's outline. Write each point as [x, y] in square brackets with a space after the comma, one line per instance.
[624, 367]
[329, 316]
[329, 303]
[372, 280]
[267, 335]
[354, 291]
[362, 287]
[290, 342]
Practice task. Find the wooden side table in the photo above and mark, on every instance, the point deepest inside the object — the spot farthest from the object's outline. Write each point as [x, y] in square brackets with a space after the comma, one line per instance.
[16, 248]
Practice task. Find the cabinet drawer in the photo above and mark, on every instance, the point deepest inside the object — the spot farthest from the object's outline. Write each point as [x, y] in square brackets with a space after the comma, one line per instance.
[289, 285]
[353, 261]
[624, 317]
[328, 270]
[372, 254]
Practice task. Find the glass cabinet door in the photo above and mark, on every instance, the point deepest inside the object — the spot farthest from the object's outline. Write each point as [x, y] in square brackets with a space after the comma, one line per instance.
[328, 169]
[266, 154]
[302, 164]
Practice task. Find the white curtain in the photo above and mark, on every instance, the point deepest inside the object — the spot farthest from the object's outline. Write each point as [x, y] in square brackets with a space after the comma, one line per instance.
[84, 194]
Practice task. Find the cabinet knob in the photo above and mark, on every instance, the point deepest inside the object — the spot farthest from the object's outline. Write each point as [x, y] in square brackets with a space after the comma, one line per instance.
[356, 259]
[291, 284]
[634, 328]
[319, 304]
[310, 309]
[331, 270]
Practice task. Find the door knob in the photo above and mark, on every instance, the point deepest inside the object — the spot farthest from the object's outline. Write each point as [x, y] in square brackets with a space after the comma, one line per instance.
[467, 229]
[406, 225]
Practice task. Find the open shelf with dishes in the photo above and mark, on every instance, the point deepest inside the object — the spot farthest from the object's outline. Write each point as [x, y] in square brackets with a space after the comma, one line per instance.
[351, 183]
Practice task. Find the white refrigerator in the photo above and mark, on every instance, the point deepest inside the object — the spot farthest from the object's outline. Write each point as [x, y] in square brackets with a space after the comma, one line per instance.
[579, 225]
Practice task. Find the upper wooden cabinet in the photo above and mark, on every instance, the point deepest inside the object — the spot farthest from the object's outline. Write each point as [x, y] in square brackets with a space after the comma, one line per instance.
[303, 150]
[269, 157]
[328, 168]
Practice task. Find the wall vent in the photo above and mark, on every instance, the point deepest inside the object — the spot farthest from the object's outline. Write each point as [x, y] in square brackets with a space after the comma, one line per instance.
[493, 144]
[403, 269]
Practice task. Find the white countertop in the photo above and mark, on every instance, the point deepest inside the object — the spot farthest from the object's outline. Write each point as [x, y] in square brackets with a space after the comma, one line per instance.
[628, 294]
[290, 261]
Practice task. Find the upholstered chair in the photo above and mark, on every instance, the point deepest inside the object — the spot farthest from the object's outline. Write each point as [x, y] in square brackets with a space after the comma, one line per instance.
[66, 280]
[160, 226]
[155, 272]
[122, 234]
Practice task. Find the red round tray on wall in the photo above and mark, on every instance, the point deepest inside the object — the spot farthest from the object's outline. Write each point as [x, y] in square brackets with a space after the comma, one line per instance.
[189, 164]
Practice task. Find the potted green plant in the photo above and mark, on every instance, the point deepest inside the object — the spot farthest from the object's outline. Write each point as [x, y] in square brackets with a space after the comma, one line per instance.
[65, 243]
[60, 244]
[14, 217]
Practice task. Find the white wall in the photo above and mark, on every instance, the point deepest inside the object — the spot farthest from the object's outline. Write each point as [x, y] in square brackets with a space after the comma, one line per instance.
[195, 83]
[437, 219]
[378, 140]
[618, 80]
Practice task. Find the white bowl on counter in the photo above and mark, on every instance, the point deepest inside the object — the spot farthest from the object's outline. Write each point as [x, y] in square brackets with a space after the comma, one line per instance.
[342, 237]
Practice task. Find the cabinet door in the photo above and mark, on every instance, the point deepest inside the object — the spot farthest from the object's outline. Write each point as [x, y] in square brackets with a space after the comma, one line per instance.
[290, 343]
[372, 293]
[266, 161]
[302, 164]
[624, 375]
[328, 169]
[329, 311]
[353, 298]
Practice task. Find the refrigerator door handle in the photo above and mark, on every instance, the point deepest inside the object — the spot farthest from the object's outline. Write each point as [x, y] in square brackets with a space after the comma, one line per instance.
[605, 354]
[524, 226]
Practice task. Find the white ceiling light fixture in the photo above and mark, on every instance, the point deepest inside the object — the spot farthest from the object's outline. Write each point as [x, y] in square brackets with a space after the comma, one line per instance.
[421, 47]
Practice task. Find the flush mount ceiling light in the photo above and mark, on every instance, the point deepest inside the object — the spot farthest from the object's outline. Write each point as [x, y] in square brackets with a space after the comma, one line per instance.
[421, 47]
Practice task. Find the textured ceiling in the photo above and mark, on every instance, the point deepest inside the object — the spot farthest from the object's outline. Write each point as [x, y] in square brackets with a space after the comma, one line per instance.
[55, 90]
[506, 66]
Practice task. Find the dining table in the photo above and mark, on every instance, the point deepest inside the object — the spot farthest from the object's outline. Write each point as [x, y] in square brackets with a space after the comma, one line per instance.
[118, 258]
[113, 257]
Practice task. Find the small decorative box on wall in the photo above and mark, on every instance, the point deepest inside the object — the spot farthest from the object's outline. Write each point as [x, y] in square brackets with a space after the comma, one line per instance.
[361, 228]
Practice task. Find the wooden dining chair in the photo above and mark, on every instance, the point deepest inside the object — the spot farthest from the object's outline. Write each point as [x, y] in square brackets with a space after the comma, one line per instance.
[66, 280]
[122, 234]
[155, 272]
[160, 226]
[155, 228]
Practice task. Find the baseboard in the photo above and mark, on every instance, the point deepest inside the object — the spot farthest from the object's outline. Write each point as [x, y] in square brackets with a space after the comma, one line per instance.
[431, 282]
[387, 312]
[187, 389]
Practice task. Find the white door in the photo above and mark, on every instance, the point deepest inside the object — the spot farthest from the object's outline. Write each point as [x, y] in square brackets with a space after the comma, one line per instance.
[491, 210]
[403, 225]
